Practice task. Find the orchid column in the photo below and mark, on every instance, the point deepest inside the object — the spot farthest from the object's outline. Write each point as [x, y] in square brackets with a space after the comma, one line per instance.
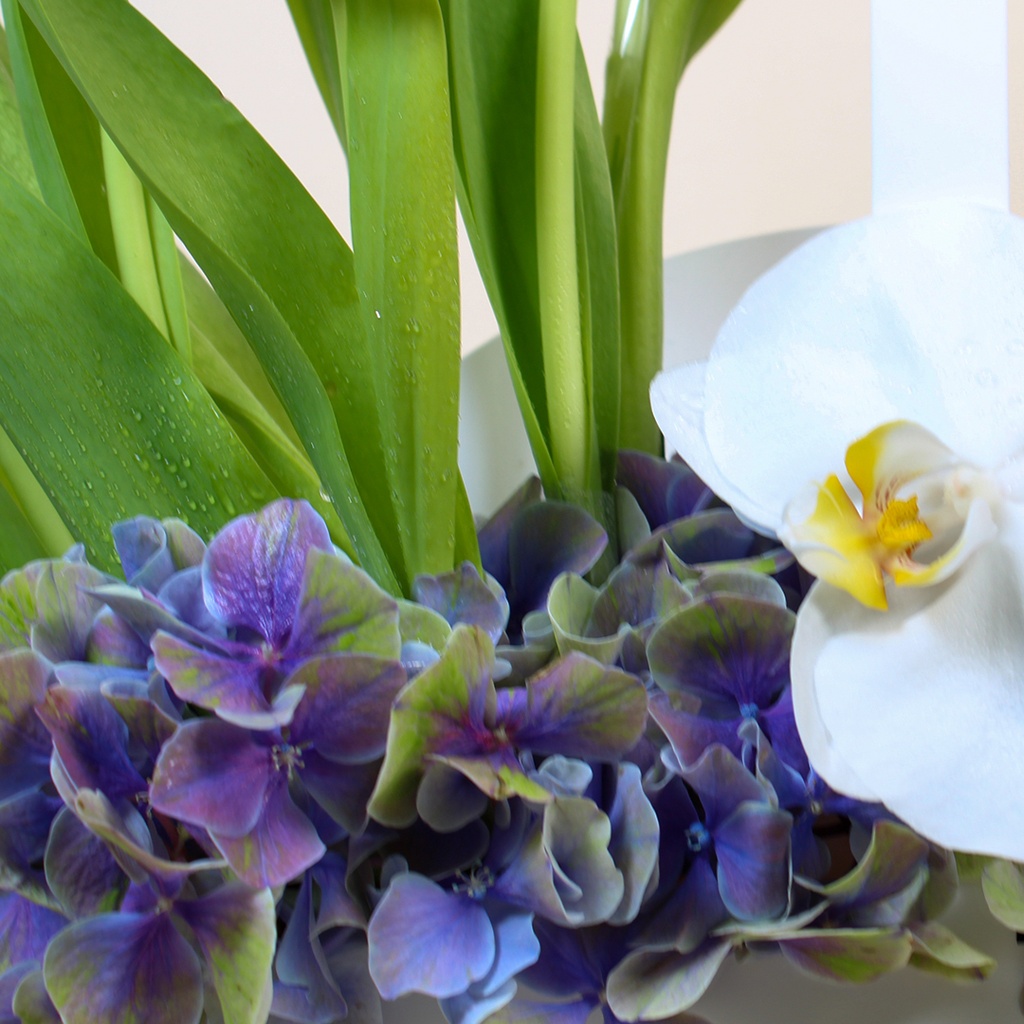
[895, 346]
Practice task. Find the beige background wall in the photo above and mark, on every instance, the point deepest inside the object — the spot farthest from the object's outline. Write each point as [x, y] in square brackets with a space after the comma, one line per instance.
[772, 125]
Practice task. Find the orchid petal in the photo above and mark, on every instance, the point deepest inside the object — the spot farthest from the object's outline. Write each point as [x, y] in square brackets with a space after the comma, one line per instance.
[862, 325]
[678, 398]
[920, 707]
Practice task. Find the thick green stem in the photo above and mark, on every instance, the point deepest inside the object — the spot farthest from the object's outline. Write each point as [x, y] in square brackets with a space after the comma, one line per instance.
[130, 222]
[568, 409]
[643, 75]
[33, 501]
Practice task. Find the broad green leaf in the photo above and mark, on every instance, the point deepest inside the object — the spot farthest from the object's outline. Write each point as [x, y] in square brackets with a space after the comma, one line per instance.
[406, 259]
[318, 30]
[271, 254]
[63, 135]
[106, 416]
[492, 57]
[14, 155]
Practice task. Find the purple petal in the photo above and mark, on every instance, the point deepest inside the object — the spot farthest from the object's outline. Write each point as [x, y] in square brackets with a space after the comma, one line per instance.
[217, 682]
[547, 539]
[689, 732]
[80, 869]
[724, 648]
[91, 738]
[754, 871]
[65, 610]
[516, 947]
[665, 491]
[304, 988]
[25, 822]
[342, 790]
[182, 594]
[124, 969]
[580, 708]
[25, 744]
[424, 939]
[215, 775]
[712, 536]
[494, 534]
[25, 929]
[141, 545]
[347, 705]
[252, 572]
[283, 843]
[112, 641]
[634, 841]
[23, 992]
[462, 596]
[722, 783]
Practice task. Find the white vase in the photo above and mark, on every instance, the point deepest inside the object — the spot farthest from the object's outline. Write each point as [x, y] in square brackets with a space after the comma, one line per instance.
[700, 290]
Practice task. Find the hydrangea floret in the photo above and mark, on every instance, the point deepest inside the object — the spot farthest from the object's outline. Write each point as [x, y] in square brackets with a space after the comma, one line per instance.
[245, 784]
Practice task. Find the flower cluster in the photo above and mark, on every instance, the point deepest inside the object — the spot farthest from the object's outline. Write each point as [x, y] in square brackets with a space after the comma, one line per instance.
[245, 784]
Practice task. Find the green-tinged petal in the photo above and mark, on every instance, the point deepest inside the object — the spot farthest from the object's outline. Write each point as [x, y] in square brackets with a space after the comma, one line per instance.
[437, 703]
[571, 602]
[107, 417]
[938, 950]
[235, 927]
[853, 954]
[1002, 882]
[124, 969]
[651, 985]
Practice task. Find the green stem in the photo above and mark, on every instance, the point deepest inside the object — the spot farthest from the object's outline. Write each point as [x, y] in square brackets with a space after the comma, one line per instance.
[556, 247]
[33, 500]
[129, 220]
[643, 75]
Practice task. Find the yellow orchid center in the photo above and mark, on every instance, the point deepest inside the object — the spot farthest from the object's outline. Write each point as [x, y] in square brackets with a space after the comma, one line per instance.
[900, 527]
[859, 548]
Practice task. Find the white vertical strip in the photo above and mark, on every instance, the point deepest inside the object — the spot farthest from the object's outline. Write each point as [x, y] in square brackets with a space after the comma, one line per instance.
[939, 102]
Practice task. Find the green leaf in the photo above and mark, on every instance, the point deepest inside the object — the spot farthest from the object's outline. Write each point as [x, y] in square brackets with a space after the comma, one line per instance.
[14, 154]
[492, 53]
[63, 135]
[107, 418]
[269, 251]
[318, 31]
[406, 259]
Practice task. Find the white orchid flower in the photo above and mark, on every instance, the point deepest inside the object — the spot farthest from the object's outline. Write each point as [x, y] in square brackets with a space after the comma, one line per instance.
[893, 347]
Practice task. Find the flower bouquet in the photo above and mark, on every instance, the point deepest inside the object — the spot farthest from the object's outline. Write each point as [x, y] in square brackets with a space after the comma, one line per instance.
[306, 737]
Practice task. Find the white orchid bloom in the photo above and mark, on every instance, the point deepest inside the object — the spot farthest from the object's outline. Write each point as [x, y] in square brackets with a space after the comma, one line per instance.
[893, 346]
